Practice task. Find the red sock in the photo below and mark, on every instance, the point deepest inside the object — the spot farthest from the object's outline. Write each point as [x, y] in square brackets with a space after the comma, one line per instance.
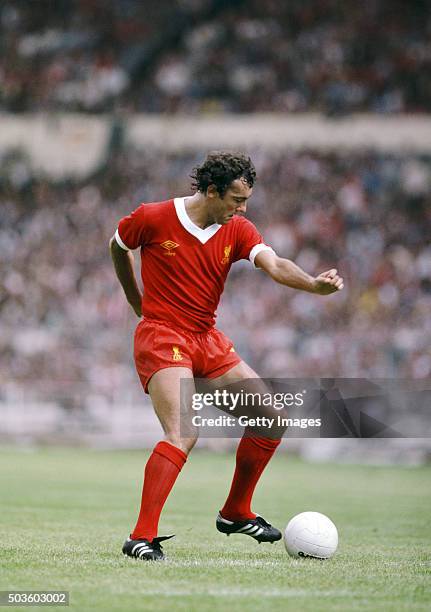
[160, 474]
[252, 456]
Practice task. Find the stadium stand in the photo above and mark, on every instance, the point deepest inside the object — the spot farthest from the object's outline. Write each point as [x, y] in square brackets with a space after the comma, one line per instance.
[66, 322]
[108, 103]
[194, 56]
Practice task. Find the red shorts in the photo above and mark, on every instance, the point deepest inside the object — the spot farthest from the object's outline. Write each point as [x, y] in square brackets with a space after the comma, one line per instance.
[160, 345]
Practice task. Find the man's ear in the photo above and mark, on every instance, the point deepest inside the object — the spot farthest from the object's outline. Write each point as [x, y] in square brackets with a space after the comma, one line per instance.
[212, 192]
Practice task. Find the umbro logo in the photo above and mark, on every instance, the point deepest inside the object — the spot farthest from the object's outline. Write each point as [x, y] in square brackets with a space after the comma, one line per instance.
[169, 246]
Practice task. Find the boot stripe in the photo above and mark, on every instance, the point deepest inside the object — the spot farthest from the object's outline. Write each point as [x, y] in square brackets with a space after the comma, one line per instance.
[252, 530]
[135, 547]
[244, 528]
[258, 532]
[138, 548]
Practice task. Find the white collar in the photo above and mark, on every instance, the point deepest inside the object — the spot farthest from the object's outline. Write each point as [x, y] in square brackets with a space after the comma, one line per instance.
[203, 235]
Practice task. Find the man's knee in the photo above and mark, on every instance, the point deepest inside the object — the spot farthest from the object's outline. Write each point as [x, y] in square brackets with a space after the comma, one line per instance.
[270, 433]
[185, 444]
[270, 427]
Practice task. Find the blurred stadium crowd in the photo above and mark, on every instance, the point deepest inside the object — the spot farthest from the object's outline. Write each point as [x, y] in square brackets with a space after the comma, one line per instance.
[65, 320]
[65, 323]
[194, 56]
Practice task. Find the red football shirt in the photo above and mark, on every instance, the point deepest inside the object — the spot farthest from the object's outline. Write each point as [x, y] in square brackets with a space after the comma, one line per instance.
[184, 267]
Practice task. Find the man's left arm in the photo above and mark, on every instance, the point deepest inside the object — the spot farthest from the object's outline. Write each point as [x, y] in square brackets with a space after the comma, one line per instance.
[287, 273]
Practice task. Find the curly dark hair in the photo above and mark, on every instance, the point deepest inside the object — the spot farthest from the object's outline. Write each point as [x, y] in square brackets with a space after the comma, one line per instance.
[220, 169]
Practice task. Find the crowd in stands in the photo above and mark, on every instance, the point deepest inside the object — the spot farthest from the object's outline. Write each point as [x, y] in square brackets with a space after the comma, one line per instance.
[321, 55]
[65, 321]
[80, 55]
[193, 56]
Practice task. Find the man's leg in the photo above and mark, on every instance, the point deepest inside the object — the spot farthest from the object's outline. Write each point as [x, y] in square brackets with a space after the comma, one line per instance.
[252, 456]
[253, 453]
[169, 455]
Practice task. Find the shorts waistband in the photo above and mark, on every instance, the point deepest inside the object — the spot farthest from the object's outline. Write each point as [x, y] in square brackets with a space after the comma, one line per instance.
[176, 328]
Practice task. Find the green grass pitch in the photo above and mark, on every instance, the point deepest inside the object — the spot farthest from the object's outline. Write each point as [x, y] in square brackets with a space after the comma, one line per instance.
[65, 514]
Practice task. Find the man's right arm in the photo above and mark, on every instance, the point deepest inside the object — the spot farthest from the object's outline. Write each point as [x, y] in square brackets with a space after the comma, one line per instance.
[125, 269]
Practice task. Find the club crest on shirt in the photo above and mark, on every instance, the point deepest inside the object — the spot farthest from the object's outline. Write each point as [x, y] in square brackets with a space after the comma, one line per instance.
[176, 355]
[169, 245]
[226, 255]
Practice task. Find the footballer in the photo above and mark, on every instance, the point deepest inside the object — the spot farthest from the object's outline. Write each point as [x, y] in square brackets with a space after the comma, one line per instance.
[187, 246]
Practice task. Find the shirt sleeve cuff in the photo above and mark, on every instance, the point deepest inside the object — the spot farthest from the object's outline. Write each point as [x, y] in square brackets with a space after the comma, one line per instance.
[258, 248]
[120, 242]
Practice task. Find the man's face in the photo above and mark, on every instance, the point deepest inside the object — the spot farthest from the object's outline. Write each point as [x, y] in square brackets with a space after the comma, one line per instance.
[233, 202]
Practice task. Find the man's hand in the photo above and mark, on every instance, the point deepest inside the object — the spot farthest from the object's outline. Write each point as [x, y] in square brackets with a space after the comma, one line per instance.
[328, 282]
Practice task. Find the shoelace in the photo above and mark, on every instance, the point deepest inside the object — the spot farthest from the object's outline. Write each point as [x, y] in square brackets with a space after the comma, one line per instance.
[156, 541]
[262, 522]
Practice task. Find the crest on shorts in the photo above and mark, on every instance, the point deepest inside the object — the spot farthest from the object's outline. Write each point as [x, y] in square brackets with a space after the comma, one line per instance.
[226, 255]
[176, 355]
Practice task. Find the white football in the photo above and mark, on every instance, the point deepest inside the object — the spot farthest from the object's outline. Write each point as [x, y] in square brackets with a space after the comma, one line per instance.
[311, 534]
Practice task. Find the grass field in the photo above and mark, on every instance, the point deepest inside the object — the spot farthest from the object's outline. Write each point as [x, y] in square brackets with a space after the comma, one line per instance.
[65, 514]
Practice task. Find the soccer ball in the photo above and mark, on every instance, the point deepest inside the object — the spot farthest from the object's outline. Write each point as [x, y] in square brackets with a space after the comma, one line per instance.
[311, 534]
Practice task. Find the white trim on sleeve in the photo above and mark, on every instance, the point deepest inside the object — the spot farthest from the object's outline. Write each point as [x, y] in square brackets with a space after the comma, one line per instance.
[258, 248]
[120, 242]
